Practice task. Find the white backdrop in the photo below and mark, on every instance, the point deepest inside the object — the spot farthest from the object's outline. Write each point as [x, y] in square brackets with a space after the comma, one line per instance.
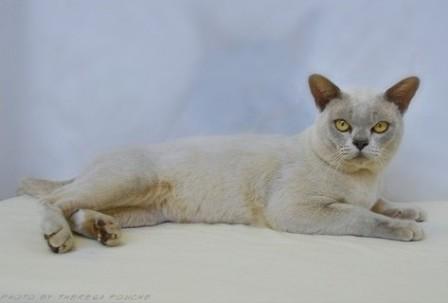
[81, 77]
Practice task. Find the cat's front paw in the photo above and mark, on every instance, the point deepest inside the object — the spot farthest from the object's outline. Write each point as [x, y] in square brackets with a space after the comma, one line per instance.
[59, 237]
[415, 214]
[405, 231]
[108, 231]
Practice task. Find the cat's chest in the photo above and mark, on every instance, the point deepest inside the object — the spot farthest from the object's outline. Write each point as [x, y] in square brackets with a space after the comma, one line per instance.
[359, 190]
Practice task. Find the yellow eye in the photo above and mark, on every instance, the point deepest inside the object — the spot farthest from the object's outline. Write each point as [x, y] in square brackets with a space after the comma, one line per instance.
[380, 127]
[342, 125]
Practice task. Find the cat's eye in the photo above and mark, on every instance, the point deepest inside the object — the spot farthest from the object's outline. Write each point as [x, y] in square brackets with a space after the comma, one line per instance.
[342, 125]
[380, 127]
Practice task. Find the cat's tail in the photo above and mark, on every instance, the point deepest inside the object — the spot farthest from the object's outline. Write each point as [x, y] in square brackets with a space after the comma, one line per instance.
[39, 187]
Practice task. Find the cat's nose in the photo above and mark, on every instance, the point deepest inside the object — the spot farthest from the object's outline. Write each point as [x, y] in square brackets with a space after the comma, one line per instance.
[360, 143]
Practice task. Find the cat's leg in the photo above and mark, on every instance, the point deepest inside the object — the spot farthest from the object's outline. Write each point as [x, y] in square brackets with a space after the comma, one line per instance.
[56, 230]
[347, 219]
[95, 225]
[105, 226]
[99, 193]
[394, 210]
[84, 212]
[123, 179]
[83, 206]
[62, 204]
[137, 216]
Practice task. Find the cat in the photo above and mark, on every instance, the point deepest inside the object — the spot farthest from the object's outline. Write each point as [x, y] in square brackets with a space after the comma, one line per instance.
[324, 180]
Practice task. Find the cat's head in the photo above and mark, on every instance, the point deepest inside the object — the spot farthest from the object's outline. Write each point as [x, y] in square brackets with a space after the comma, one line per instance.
[359, 129]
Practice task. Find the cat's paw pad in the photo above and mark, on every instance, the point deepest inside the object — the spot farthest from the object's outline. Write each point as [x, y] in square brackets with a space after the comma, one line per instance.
[415, 214]
[421, 215]
[108, 231]
[59, 240]
[408, 231]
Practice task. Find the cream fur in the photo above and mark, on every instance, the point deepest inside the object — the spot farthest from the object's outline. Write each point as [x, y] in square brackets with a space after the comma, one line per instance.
[295, 184]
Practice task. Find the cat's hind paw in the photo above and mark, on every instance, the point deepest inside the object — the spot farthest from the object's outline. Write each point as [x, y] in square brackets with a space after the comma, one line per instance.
[108, 232]
[59, 238]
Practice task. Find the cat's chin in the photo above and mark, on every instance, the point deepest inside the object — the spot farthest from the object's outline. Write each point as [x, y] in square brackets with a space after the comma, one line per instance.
[362, 161]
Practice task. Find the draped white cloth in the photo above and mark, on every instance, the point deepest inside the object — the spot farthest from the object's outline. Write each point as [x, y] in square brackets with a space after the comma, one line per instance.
[81, 77]
[222, 263]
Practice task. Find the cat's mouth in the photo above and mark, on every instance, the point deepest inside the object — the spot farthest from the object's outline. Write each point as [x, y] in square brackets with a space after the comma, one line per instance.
[361, 156]
[361, 160]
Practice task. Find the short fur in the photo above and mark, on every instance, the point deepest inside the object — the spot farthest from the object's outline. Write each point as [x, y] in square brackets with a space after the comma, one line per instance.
[317, 182]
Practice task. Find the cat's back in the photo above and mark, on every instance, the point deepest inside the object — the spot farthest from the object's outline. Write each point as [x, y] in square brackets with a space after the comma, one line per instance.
[213, 144]
[232, 152]
[202, 150]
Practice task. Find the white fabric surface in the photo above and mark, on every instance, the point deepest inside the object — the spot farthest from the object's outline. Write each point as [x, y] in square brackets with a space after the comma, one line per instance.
[80, 77]
[224, 263]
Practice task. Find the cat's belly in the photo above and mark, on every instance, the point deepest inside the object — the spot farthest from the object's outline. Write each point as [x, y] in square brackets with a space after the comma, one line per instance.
[216, 200]
[220, 187]
[208, 207]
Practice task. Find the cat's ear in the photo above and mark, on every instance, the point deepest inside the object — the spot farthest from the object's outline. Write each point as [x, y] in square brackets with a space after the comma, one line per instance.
[323, 90]
[401, 93]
